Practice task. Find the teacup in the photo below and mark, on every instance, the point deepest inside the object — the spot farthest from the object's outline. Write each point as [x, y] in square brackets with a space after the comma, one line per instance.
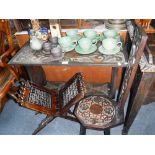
[56, 52]
[91, 34]
[53, 40]
[85, 44]
[72, 32]
[111, 43]
[65, 42]
[47, 46]
[111, 34]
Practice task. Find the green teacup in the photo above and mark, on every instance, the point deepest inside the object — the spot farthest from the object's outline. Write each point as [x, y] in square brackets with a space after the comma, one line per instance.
[110, 43]
[85, 44]
[72, 32]
[91, 34]
[65, 42]
[111, 34]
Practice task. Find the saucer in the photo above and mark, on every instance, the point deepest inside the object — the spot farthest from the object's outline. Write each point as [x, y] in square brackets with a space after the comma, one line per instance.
[76, 38]
[92, 49]
[46, 53]
[106, 52]
[70, 48]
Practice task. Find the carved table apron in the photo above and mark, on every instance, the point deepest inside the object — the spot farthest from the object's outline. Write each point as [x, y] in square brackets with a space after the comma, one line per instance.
[27, 57]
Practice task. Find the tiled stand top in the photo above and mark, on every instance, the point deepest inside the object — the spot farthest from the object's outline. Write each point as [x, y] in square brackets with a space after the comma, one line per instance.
[26, 56]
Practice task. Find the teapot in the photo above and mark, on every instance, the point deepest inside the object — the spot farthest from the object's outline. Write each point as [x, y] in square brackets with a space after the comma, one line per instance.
[35, 43]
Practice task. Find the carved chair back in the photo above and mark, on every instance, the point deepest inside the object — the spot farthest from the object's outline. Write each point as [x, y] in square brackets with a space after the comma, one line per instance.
[48, 101]
[130, 34]
[137, 48]
[71, 92]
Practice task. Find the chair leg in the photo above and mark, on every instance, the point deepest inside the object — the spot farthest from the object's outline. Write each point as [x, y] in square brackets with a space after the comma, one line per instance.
[124, 131]
[107, 132]
[82, 130]
[43, 124]
[36, 113]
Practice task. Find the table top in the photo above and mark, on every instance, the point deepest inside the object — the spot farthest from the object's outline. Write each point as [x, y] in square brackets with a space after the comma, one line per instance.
[26, 56]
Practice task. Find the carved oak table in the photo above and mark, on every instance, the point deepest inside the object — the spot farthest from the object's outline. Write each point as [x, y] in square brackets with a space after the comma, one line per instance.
[143, 90]
[25, 56]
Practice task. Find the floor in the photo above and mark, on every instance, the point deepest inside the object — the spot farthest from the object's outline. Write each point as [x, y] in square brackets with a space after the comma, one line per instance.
[16, 120]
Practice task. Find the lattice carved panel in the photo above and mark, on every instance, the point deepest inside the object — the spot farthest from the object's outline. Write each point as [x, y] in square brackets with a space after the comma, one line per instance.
[72, 90]
[31, 94]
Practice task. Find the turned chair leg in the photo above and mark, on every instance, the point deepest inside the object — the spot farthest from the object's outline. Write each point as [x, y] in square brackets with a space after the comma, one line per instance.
[124, 131]
[107, 132]
[82, 130]
[36, 113]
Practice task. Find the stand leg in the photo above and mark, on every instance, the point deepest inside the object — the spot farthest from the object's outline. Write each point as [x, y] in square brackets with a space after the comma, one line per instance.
[43, 124]
[82, 130]
[137, 98]
[113, 81]
[107, 132]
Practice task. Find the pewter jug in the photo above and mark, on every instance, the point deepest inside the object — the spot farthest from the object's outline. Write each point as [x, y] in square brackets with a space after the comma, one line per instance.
[36, 44]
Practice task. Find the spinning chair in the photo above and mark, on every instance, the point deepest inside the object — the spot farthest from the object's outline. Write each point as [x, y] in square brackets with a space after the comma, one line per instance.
[50, 102]
[102, 113]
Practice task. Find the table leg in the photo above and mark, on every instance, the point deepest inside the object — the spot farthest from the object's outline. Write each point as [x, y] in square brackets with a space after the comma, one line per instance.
[136, 100]
[114, 81]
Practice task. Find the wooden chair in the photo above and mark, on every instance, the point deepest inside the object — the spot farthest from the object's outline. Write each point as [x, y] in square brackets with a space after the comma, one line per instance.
[145, 23]
[53, 103]
[8, 74]
[102, 113]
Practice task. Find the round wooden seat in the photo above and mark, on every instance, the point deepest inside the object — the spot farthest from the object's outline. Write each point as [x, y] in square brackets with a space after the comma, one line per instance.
[96, 111]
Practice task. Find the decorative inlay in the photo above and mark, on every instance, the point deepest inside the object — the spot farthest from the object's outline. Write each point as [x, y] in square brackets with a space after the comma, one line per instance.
[95, 110]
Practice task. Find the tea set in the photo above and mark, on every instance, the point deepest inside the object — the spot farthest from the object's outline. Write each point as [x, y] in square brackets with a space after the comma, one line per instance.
[48, 48]
[86, 44]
